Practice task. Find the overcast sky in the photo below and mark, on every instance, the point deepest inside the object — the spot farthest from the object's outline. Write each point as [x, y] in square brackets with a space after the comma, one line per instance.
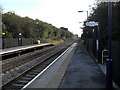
[60, 13]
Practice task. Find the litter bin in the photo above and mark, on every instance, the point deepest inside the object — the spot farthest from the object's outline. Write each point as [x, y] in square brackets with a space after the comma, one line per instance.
[82, 41]
[37, 42]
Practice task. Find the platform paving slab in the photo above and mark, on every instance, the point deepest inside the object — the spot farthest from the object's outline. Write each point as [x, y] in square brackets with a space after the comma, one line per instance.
[83, 71]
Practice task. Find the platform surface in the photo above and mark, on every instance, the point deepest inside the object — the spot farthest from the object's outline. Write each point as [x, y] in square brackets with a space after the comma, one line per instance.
[83, 71]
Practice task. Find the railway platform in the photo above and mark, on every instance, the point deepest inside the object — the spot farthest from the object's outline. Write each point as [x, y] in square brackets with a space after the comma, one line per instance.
[22, 48]
[83, 71]
[75, 68]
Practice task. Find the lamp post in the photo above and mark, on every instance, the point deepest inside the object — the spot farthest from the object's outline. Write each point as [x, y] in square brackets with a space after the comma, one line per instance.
[20, 39]
[3, 34]
[109, 60]
[80, 22]
[84, 11]
[87, 34]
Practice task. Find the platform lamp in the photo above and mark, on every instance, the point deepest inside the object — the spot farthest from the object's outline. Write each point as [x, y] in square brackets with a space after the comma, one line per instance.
[87, 20]
[84, 11]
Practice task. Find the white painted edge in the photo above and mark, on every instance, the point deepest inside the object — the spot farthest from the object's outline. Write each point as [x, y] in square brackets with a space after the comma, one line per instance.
[23, 48]
[47, 67]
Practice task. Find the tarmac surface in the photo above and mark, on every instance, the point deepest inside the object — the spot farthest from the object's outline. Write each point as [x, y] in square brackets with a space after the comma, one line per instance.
[83, 71]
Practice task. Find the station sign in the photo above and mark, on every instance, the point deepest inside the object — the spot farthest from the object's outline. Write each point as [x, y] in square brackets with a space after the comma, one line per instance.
[91, 23]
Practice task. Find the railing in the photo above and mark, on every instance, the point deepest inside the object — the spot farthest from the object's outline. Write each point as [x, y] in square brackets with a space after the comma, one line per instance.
[104, 55]
[14, 42]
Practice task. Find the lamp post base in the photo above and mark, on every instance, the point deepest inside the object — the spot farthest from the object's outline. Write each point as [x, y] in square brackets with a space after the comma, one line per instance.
[109, 73]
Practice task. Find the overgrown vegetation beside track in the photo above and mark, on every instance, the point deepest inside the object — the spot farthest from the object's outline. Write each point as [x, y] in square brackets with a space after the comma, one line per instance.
[55, 42]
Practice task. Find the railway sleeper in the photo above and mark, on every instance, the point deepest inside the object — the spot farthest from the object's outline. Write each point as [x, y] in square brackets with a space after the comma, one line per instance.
[15, 87]
[30, 75]
[22, 81]
[21, 85]
[26, 78]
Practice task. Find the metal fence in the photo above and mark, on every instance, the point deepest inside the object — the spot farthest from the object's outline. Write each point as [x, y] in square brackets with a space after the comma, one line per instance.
[14, 42]
[116, 62]
[115, 57]
[92, 47]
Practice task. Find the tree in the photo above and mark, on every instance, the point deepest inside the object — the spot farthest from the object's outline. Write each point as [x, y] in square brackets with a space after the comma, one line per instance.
[100, 14]
[14, 24]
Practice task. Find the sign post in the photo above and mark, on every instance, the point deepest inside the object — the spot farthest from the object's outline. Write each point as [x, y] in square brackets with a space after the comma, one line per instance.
[93, 24]
[99, 44]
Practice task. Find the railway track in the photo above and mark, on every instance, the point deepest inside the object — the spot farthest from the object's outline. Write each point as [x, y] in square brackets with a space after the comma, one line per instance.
[17, 61]
[31, 67]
